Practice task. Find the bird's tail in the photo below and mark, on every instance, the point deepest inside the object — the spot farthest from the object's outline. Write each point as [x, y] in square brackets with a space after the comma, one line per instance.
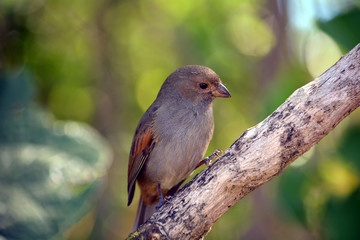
[144, 212]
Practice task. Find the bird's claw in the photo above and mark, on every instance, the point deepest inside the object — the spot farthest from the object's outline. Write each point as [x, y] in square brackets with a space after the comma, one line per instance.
[162, 201]
[214, 155]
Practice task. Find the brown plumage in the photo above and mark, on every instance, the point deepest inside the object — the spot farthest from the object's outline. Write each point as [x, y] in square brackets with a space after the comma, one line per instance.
[173, 135]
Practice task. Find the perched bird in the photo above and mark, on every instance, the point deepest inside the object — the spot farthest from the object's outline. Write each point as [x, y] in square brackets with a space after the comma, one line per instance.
[172, 136]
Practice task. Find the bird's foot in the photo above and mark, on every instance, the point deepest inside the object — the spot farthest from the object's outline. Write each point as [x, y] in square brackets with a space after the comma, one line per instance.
[162, 201]
[167, 198]
[213, 156]
[158, 206]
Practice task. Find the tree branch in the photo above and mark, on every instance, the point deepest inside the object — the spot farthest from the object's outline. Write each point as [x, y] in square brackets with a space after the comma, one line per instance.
[260, 153]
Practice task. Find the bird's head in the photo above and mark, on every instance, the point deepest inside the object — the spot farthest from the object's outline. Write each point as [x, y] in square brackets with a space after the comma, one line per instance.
[196, 84]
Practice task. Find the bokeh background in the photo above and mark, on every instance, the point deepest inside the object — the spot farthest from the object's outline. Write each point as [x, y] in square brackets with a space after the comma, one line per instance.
[76, 76]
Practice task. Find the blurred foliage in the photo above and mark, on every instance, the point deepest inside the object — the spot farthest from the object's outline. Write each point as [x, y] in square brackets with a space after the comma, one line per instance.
[341, 28]
[50, 171]
[101, 64]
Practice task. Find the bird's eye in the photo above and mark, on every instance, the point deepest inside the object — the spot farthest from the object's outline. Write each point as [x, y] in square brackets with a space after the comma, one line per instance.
[203, 85]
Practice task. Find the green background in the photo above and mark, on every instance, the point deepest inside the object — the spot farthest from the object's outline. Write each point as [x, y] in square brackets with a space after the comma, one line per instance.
[76, 77]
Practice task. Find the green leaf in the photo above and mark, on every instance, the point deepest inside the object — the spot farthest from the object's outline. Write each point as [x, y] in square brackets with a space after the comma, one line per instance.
[344, 28]
[49, 171]
[342, 218]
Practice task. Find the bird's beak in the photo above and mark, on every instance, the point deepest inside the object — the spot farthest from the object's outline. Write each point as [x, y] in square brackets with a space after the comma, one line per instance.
[221, 91]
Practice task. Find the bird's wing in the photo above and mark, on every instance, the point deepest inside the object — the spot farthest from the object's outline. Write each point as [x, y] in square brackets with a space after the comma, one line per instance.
[142, 145]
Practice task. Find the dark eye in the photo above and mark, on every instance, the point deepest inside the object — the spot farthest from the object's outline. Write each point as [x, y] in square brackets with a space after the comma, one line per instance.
[203, 85]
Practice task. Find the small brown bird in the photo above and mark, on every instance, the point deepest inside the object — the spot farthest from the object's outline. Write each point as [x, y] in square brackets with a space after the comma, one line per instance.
[172, 136]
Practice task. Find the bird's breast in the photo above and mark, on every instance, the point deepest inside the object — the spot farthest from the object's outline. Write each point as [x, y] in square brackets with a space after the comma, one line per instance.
[182, 139]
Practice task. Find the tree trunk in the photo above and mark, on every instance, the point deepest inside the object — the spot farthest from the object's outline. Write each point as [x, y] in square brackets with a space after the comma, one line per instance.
[260, 153]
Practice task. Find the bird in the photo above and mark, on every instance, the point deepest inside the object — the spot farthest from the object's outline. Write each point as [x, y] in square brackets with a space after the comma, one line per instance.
[172, 136]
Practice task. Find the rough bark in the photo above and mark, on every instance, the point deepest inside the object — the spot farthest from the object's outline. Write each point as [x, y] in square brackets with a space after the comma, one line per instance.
[260, 153]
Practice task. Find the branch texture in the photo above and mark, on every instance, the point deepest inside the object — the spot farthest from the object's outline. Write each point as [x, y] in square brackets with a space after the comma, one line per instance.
[260, 153]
